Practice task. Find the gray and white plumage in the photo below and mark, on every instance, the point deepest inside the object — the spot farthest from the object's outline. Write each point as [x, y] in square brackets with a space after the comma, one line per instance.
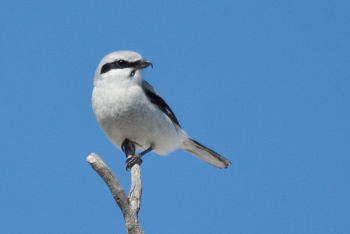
[128, 107]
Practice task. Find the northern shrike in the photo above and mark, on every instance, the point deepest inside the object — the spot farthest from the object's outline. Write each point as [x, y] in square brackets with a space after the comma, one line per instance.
[132, 113]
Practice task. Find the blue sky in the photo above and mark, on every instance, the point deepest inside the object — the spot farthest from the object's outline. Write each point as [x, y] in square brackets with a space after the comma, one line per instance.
[264, 83]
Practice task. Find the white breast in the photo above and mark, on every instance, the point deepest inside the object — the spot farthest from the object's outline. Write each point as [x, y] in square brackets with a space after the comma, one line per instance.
[123, 111]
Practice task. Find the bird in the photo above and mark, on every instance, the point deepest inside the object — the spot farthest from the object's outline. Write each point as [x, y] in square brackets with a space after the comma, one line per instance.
[135, 117]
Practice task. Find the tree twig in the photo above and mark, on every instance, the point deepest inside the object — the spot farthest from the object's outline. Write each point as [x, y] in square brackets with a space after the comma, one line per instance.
[129, 206]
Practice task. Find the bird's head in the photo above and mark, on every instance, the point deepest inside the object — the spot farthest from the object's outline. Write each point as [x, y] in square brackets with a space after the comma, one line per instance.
[122, 64]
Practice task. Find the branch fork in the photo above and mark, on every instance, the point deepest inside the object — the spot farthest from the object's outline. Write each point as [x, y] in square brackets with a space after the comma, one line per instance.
[129, 205]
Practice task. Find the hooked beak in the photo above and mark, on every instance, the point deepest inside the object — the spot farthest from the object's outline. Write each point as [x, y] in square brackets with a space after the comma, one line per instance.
[144, 63]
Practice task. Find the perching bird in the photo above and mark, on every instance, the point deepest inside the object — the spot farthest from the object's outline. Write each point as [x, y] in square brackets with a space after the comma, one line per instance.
[132, 113]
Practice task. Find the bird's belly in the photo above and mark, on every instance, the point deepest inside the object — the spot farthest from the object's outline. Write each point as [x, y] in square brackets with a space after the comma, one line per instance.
[129, 115]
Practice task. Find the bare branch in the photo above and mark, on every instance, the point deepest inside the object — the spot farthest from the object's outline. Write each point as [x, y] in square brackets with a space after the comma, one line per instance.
[129, 206]
[132, 222]
[135, 188]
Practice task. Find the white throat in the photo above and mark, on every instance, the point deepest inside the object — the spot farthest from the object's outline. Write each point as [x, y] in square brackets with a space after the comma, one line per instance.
[120, 77]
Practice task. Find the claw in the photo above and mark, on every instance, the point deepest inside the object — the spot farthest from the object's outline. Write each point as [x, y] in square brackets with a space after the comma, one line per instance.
[132, 160]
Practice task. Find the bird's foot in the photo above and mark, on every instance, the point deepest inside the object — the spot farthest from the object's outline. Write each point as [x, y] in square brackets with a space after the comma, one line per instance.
[132, 160]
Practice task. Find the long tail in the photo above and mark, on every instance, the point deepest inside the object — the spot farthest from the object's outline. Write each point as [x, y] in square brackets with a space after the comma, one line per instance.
[204, 153]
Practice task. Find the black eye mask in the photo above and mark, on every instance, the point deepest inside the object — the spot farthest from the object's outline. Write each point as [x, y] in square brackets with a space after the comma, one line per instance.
[120, 64]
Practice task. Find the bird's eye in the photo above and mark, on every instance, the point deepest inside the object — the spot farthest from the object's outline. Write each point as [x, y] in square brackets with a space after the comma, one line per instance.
[120, 62]
[132, 74]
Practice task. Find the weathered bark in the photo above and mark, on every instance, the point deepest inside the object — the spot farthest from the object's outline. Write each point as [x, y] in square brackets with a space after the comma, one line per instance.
[129, 206]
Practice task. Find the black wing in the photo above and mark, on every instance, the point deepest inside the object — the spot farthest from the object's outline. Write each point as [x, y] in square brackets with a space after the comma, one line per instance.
[156, 100]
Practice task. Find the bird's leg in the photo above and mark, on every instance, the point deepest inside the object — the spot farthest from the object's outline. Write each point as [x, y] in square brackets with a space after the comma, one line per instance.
[149, 149]
[128, 147]
[136, 158]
